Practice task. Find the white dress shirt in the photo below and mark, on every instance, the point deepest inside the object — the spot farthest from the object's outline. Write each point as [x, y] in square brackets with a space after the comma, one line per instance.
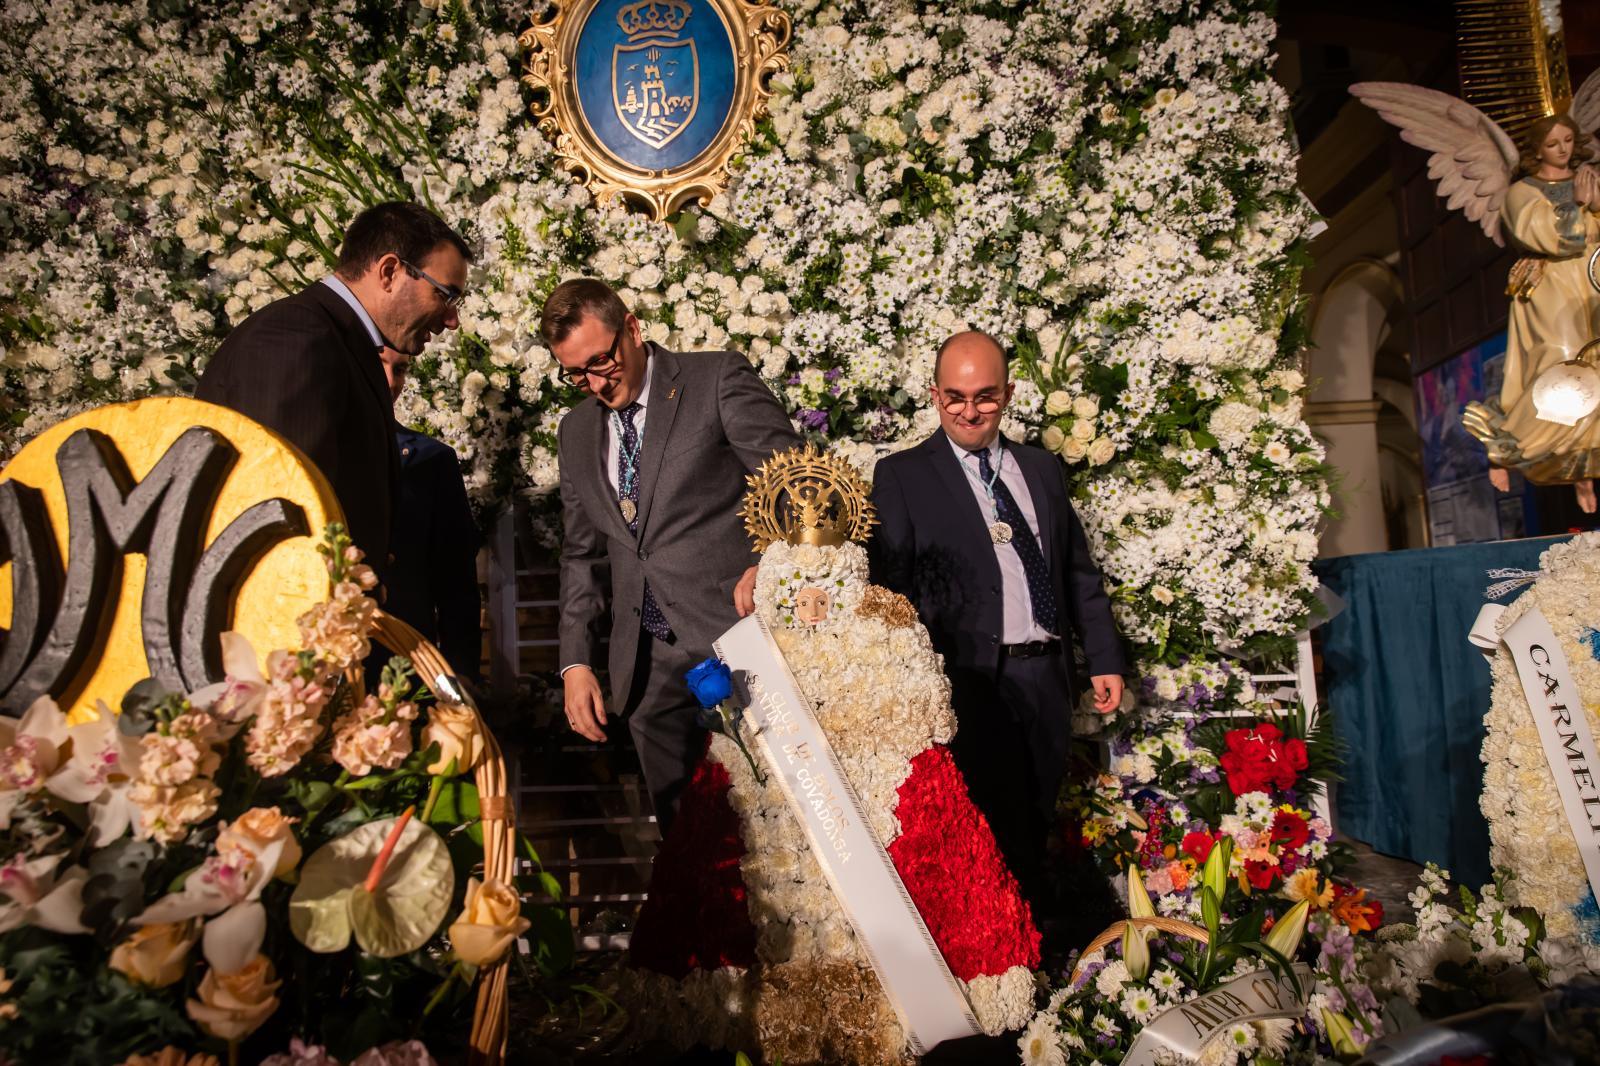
[332, 281]
[614, 432]
[1017, 625]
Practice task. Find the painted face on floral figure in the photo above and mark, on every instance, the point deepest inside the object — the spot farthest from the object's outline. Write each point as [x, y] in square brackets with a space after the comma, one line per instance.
[811, 605]
[970, 390]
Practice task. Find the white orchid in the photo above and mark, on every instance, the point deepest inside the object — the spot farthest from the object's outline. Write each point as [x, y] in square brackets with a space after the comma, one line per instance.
[30, 751]
[99, 773]
[235, 699]
[34, 895]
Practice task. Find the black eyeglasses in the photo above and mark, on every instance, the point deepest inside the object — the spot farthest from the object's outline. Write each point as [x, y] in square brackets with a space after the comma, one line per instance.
[451, 295]
[601, 365]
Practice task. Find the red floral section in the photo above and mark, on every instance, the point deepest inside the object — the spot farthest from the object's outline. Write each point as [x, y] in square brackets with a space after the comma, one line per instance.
[1259, 760]
[947, 858]
[696, 916]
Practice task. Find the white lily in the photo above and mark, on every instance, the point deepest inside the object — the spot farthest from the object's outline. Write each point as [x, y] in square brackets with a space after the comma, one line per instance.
[99, 773]
[30, 751]
[34, 895]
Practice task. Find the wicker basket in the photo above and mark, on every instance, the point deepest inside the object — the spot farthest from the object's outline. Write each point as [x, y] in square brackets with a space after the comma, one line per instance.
[490, 1017]
[1114, 932]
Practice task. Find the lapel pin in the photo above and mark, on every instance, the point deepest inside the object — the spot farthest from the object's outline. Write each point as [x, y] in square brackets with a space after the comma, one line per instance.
[672, 392]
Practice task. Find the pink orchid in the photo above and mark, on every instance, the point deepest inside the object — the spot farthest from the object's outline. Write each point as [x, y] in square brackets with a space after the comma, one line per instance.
[30, 751]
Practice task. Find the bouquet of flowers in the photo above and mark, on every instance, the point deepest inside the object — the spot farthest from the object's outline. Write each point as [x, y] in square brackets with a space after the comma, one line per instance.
[208, 871]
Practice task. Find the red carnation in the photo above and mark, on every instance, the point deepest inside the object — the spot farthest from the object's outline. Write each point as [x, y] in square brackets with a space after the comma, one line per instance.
[954, 873]
[1198, 845]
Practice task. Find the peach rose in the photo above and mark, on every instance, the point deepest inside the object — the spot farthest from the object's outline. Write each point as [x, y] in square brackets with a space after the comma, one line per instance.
[490, 920]
[456, 731]
[156, 955]
[232, 1006]
[256, 829]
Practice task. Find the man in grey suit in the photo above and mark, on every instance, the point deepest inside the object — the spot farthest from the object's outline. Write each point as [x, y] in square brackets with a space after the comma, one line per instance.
[651, 521]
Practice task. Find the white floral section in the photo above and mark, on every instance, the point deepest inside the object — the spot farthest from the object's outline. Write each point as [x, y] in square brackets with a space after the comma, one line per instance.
[1003, 1002]
[1528, 830]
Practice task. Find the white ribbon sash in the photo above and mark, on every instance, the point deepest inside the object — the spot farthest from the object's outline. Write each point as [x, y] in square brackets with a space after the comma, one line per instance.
[1184, 1029]
[1563, 730]
[930, 1003]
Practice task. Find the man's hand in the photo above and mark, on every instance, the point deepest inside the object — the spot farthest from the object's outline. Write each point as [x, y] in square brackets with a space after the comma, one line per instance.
[586, 709]
[744, 594]
[1107, 692]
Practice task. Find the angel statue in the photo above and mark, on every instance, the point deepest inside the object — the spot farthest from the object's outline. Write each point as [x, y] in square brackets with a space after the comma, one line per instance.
[1547, 197]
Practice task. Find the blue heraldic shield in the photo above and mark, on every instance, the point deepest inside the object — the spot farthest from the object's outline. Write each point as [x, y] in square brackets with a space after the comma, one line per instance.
[655, 79]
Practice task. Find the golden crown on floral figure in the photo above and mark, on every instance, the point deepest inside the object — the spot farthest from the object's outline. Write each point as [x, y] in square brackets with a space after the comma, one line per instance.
[807, 496]
[808, 512]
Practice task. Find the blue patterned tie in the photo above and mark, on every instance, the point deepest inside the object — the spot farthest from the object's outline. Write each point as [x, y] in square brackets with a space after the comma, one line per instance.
[650, 616]
[1040, 594]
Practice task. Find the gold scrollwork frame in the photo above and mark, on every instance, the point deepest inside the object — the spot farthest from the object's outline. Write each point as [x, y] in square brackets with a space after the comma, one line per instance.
[760, 34]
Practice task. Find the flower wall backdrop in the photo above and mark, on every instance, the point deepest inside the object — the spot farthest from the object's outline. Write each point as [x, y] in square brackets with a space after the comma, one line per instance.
[1108, 186]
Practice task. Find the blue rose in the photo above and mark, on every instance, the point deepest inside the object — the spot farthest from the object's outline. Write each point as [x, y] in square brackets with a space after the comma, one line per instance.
[711, 682]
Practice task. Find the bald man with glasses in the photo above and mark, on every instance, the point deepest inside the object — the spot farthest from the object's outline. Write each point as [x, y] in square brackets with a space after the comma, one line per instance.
[979, 533]
[653, 466]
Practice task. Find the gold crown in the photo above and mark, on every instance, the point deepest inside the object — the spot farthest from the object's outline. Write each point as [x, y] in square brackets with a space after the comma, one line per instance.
[650, 18]
[806, 496]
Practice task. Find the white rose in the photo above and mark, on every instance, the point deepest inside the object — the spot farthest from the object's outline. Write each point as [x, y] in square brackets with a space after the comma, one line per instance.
[1054, 439]
[1074, 451]
[1101, 450]
[1085, 407]
[1083, 429]
[1057, 403]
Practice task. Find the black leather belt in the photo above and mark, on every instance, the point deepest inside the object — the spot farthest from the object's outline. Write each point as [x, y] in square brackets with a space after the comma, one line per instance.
[1032, 649]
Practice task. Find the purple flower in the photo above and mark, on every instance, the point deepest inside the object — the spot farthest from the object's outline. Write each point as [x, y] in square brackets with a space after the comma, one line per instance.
[813, 418]
[833, 375]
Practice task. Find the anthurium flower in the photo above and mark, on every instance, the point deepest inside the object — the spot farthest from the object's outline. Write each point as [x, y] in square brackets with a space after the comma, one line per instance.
[30, 751]
[99, 772]
[34, 895]
[389, 914]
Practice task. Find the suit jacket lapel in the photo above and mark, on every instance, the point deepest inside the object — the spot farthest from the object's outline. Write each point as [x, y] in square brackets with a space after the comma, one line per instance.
[1041, 503]
[357, 340]
[664, 393]
[969, 517]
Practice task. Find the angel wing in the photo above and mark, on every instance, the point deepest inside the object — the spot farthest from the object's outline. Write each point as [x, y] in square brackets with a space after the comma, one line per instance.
[1473, 160]
[1585, 109]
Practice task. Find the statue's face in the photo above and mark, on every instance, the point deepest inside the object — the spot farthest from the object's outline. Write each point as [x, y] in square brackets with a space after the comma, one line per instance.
[1556, 149]
[811, 606]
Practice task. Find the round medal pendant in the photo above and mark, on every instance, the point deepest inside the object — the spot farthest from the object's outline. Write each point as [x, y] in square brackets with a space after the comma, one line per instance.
[1000, 532]
[630, 511]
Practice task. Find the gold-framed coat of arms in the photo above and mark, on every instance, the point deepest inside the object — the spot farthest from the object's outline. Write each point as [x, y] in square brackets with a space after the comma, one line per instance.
[649, 100]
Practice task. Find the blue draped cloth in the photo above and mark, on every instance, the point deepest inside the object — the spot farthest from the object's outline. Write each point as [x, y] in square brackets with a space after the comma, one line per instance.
[1408, 694]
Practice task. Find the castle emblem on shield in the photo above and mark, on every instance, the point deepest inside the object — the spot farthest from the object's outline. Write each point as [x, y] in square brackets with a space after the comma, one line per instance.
[647, 101]
[655, 77]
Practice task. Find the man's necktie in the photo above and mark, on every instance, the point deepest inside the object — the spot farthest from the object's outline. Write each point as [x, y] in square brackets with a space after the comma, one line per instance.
[1040, 594]
[650, 616]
